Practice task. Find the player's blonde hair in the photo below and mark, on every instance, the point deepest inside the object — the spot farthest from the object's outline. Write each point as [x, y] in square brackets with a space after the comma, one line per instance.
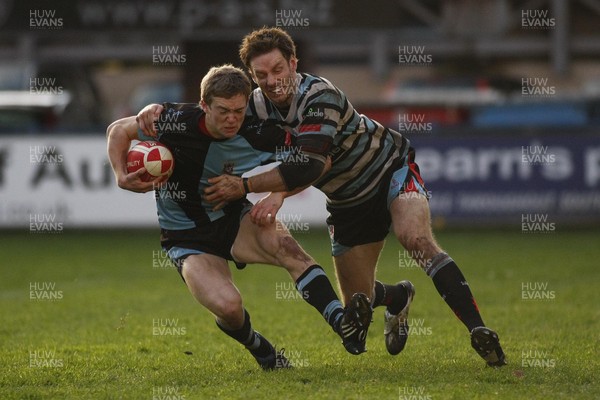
[224, 81]
[264, 40]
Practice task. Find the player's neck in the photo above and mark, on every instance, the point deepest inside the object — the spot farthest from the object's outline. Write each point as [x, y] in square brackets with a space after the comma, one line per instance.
[283, 109]
[204, 129]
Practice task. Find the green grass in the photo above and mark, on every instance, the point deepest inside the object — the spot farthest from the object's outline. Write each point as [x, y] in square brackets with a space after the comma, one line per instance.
[98, 338]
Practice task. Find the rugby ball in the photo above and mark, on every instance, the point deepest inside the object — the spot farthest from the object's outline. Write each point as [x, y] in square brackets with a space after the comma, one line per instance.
[154, 156]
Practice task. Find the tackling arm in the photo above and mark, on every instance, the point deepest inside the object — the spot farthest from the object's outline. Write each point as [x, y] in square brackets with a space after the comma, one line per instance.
[146, 118]
[226, 188]
[263, 211]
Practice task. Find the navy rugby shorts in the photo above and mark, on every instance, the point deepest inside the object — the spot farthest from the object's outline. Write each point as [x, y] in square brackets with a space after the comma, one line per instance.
[215, 238]
[370, 220]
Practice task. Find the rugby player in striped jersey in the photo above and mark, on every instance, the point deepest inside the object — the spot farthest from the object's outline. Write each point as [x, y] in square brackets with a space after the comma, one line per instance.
[373, 186]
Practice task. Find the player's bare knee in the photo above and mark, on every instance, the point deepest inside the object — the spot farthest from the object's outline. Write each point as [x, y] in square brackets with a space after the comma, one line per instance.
[237, 253]
[230, 310]
[407, 240]
[420, 247]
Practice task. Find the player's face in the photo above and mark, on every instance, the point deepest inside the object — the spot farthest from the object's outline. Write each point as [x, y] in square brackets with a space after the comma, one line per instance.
[224, 117]
[275, 76]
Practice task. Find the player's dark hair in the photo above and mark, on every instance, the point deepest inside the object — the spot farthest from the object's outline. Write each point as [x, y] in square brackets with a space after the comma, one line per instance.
[224, 81]
[263, 41]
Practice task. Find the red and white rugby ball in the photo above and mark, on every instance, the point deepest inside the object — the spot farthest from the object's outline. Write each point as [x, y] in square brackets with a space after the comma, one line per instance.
[154, 156]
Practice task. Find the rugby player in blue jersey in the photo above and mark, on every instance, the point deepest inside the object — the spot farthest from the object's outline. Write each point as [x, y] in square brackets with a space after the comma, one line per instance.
[207, 140]
[373, 186]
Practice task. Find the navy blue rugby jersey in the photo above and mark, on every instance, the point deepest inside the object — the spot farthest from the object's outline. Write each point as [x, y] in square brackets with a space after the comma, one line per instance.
[324, 122]
[198, 157]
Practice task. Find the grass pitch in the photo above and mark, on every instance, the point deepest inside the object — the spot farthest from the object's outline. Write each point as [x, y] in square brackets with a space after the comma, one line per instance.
[100, 315]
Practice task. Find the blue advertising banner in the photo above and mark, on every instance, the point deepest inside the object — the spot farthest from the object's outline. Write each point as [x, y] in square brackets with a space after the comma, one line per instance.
[510, 180]
[527, 183]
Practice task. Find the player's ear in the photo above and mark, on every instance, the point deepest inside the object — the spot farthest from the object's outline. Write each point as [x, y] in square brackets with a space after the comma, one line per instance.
[252, 76]
[203, 105]
[293, 64]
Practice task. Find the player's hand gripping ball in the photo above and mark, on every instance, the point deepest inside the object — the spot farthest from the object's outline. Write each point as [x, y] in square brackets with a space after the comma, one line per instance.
[155, 156]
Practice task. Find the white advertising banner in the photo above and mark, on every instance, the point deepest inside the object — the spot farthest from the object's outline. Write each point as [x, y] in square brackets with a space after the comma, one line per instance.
[56, 183]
